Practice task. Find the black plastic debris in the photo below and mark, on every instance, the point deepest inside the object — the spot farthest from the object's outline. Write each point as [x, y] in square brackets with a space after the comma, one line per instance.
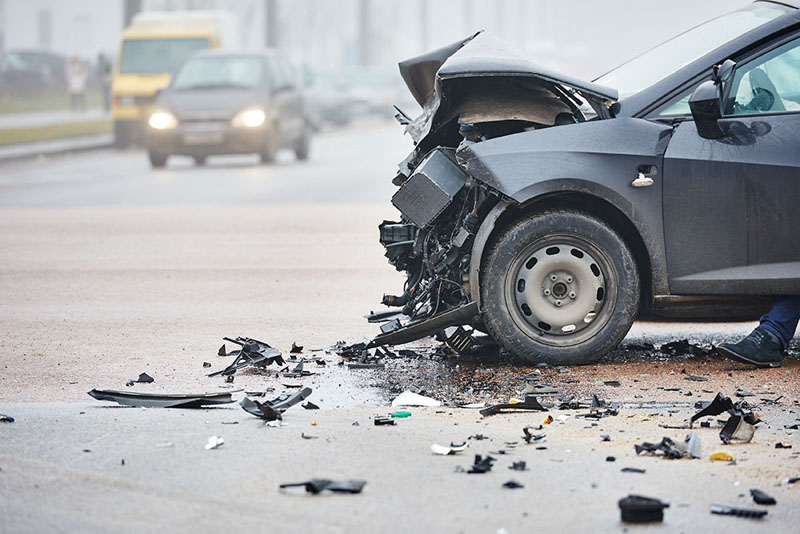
[483, 464]
[310, 406]
[253, 353]
[792, 480]
[780, 445]
[384, 421]
[298, 371]
[206, 364]
[157, 400]
[459, 339]
[740, 427]
[144, 378]
[478, 437]
[518, 466]
[610, 459]
[318, 485]
[229, 379]
[605, 437]
[633, 470]
[640, 509]
[666, 446]
[720, 509]
[612, 383]
[530, 403]
[513, 484]
[529, 437]
[681, 348]
[296, 349]
[304, 436]
[762, 498]
[743, 394]
[272, 410]
[6, 418]
[695, 378]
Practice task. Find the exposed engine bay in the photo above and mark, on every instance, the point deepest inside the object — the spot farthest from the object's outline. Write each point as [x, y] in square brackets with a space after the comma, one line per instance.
[472, 91]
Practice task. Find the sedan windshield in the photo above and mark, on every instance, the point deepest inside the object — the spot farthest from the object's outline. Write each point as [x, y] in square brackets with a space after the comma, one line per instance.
[209, 72]
[157, 56]
[663, 60]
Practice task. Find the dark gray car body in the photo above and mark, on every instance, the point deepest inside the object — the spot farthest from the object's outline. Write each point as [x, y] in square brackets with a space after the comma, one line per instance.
[714, 234]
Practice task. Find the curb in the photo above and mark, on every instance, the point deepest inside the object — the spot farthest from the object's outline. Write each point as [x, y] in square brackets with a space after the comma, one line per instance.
[54, 147]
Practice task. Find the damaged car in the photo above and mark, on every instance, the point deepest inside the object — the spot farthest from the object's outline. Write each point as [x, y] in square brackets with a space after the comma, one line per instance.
[550, 212]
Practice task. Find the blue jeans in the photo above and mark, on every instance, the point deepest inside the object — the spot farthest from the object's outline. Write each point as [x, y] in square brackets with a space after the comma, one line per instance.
[782, 319]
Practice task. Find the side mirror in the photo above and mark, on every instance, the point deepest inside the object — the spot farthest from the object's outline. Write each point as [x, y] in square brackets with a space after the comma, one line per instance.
[706, 109]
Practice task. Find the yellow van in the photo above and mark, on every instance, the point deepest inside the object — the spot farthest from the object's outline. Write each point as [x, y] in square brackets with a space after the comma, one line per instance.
[151, 48]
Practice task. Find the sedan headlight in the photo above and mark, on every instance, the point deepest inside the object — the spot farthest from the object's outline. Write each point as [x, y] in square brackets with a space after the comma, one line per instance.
[250, 118]
[162, 120]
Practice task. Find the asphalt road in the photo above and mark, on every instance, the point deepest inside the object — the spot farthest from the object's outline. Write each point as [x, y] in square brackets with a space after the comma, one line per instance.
[109, 269]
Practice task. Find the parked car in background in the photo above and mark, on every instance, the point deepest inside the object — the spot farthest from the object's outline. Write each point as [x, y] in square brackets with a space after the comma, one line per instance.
[550, 211]
[50, 65]
[17, 78]
[151, 48]
[230, 103]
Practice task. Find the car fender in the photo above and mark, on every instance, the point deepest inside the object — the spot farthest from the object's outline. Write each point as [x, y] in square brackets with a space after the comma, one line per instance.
[596, 160]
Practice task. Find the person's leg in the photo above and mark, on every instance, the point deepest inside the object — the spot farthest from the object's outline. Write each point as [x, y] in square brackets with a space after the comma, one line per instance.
[765, 345]
[781, 320]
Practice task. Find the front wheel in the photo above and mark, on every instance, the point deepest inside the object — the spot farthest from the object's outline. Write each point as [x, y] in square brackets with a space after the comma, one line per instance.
[560, 287]
[157, 159]
[302, 149]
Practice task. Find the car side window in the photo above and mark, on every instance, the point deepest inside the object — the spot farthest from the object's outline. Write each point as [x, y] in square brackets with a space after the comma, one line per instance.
[678, 106]
[287, 73]
[769, 83]
[275, 74]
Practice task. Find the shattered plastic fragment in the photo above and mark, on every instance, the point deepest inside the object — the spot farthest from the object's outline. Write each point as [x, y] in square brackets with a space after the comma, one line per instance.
[6, 418]
[518, 466]
[206, 364]
[318, 485]
[384, 421]
[547, 420]
[408, 398]
[530, 403]
[694, 447]
[253, 353]
[761, 498]
[310, 406]
[720, 509]
[721, 456]
[632, 470]
[738, 430]
[529, 437]
[272, 410]
[214, 442]
[780, 445]
[513, 484]
[295, 348]
[697, 378]
[666, 446]
[640, 509]
[452, 449]
[157, 400]
[401, 415]
[481, 464]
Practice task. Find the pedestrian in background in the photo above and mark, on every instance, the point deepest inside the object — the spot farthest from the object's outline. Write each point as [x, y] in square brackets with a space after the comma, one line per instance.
[104, 78]
[77, 77]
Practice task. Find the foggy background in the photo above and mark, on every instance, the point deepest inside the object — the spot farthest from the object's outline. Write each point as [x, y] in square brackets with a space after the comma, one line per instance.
[582, 38]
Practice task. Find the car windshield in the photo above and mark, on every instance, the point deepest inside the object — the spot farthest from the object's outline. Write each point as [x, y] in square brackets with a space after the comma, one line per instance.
[209, 72]
[157, 56]
[652, 66]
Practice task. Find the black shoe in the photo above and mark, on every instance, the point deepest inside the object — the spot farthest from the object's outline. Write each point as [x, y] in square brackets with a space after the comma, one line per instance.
[761, 348]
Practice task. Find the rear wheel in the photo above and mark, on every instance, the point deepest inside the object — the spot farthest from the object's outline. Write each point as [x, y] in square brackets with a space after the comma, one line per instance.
[157, 159]
[560, 287]
[302, 148]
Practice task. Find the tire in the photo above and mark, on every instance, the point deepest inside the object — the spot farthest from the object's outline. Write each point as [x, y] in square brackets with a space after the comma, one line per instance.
[122, 135]
[157, 159]
[560, 287]
[302, 149]
[270, 150]
[200, 160]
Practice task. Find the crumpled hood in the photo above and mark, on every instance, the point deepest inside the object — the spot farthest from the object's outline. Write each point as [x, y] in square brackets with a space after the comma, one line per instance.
[483, 54]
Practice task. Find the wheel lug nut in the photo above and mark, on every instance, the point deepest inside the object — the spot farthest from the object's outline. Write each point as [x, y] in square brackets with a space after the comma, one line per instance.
[547, 292]
[558, 303]
[569, 279]
[553, 277]
[572, 295]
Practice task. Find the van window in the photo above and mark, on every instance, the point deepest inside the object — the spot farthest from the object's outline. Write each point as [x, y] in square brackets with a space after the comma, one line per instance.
[157, 56]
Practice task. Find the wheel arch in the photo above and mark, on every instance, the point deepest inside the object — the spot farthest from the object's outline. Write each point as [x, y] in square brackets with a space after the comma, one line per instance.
[506, 212]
